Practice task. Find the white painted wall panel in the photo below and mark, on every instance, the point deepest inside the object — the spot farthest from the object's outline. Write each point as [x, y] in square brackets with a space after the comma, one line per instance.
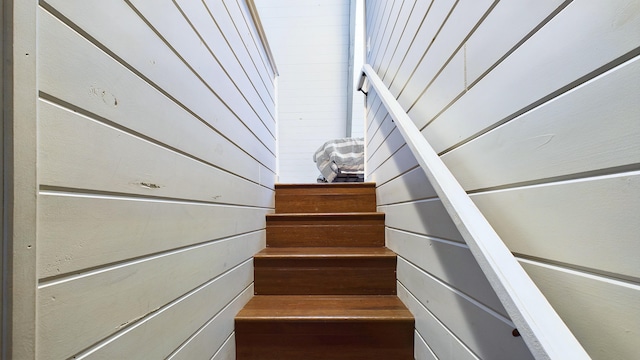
[156, 147]
[233, 21]
[119, 295]
[211, 337]
[583, 37]
[208, 62]
[603, 311]
[443, 343]
[372, 107]
[401, 162]
[109, 229]
[228, 350]
[392, 143]
[380, 134]
[310, 40]
[420, 10]
[412, 185]
[392, 21]
[149, 55]
[446, 45]
[399, 24]
[430, 22]
[421, 350]
[441, 92]
[578, 220]
[549, 141]
[426, 217]
[485, 333]
[72, 155]
[434, 256]
[490, 42]
[94, 90]
[181, 319]
[381, 24]
[373, 19]
[533, 106]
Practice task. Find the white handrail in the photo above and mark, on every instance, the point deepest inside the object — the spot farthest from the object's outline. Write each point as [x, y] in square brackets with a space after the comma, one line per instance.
[543, 331]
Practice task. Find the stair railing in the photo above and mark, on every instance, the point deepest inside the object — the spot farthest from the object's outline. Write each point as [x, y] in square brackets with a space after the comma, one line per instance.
[542, 329]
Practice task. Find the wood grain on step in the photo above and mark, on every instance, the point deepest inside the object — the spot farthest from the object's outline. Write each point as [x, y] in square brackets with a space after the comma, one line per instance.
[323, 198]
[335, 229]
[317, 271]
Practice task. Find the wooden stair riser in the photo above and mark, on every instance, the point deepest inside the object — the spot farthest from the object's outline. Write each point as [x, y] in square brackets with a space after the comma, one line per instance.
[309, 231]
[286, 204]
[314, 198]
[353, 340]
[327, 276]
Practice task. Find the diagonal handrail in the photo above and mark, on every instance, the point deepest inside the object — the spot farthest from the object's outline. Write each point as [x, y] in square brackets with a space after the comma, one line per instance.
[543, 331]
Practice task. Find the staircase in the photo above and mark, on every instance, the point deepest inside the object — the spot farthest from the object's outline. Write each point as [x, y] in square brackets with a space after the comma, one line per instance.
[325, 286]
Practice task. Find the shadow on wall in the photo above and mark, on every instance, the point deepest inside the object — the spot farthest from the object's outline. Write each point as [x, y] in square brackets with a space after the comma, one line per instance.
[457, 312]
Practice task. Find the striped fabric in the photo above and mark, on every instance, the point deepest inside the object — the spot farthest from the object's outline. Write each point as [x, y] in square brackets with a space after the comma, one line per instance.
[340, 156]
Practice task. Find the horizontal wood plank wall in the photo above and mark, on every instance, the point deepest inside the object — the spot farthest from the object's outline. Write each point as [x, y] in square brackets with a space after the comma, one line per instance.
[533, 106]
[157, 165]
[228, 350]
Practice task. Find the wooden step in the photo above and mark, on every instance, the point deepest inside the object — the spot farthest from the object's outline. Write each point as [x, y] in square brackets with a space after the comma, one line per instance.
[325, 271]
[325, 198]
[315, 230]
[324, 327]
[325, 285]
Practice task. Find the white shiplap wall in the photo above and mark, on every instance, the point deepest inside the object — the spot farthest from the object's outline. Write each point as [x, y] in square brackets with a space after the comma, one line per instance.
[310, 42]
[156, 166]
[534, 107]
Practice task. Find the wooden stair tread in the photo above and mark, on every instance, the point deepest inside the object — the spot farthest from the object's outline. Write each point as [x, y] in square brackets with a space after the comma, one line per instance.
[327, 216]
[325, 252]
[358, 185]
[320, 307]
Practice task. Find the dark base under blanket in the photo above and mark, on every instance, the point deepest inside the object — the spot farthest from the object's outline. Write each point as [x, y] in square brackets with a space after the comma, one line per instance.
[344, 178]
